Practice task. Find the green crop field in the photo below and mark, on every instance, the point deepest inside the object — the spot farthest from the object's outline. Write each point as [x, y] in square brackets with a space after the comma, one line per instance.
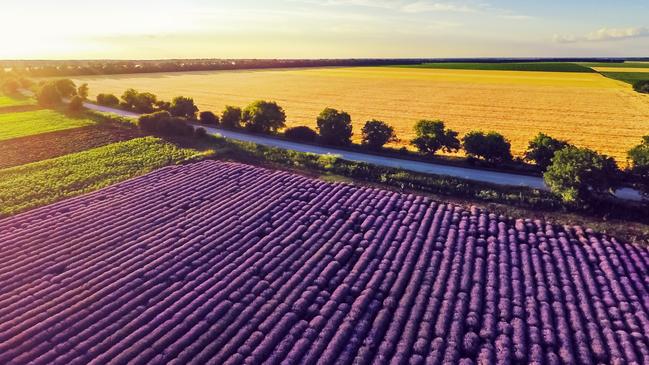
[507, 66]
[615, 64]
[40, 183]
[628, 77]
[13, 101]
[13, 125]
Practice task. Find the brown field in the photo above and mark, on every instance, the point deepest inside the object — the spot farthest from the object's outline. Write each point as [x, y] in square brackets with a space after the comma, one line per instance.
[586, 109]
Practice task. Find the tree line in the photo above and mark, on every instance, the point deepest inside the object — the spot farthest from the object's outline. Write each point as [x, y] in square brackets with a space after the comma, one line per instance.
[112, 67]
[579, 176]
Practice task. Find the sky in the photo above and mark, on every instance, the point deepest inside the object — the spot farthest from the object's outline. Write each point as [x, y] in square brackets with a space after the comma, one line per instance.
[144, 29]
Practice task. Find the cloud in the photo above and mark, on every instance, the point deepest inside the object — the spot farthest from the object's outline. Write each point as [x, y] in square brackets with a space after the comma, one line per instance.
[605, 34]
[428, 6]
[405, 6]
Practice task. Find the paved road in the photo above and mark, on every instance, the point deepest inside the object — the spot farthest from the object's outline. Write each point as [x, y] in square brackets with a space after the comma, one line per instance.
[493, 177]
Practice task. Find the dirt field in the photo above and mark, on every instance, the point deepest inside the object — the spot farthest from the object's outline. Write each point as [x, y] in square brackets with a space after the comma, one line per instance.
[587, 109]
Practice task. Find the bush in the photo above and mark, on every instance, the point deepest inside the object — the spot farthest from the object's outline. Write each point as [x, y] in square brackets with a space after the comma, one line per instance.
[542, 148]
[335, 127]
[183, 107]
[10, 86]
[140, 102]
[200, 133]
[164, 123]
[76, 104]
[231, 117]
[301, 133]
[209, 118]
[492, 146]
[82, 91]
[66, 88]
[639, 166]
[109, 100]
[377, 133]
[48, 95]
[580, 175]
[642, 86]
[432, 136]
[264, 117]
[162, 105]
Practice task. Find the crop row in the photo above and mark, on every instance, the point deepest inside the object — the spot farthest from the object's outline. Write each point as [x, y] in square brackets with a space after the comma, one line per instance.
[225, 263]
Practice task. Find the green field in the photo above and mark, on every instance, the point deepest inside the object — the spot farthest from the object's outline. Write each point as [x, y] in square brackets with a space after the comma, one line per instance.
[628, 77]
[41, 183]
[13, 101]
[13, 125]
[615, 64]
[507, 66]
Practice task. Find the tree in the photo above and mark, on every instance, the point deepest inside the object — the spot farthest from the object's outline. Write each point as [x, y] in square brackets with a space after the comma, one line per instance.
[542, 148]
[231, 117]
[10, 86]
[76, 104]
[580, 175]
[66, 88]
[377, 133]
[129, 98]
[301, 133]
[264, 117]
[145, 102]
[109, 100]
[491, 146]
[82, 91]
[48, 95]
[642, 86]
[639, 166]
[335, 127]
[209, 118]
[432, 136]
[183, 107]
[162, 105]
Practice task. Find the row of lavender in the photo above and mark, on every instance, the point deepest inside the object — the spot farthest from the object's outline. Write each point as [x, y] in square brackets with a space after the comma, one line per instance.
[226, 263]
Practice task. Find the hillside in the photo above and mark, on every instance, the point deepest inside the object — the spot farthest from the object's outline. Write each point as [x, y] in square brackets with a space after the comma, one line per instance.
[228, 263]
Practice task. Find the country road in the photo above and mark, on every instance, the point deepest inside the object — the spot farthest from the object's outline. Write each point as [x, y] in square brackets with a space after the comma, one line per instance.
[492, 177]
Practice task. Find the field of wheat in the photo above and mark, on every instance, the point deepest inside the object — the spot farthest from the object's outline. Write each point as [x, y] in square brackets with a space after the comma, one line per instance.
[587, 109]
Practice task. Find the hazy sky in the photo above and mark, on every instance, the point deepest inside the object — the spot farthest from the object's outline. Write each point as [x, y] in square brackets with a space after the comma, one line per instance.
[322, 28]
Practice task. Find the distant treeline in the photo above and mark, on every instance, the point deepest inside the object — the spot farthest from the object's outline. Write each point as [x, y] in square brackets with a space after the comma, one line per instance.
[49, 68]
[77, 68]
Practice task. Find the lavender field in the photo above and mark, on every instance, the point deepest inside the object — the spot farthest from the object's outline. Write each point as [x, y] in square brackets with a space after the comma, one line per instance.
[225, 263]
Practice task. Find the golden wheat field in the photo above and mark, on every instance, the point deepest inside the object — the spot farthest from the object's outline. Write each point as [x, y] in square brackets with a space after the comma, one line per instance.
[586, 109]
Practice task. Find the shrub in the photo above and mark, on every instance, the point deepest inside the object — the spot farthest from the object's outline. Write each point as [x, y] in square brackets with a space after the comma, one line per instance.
[209, 118]
[162, 105]
[76, 104]
[301, 133]
[200, 133]
[639, 166]
[264, 117]
[432, 136]
[48, 95]
[109, 100]
[542, 148]
[580, 175]
[377, 133]
[231, 117]
[183, 107]
[335, 127]
[642, 86]
[82, 91]
[491, 146]
[66, 88]
[10, 86]
[140, 102]
[164, 123]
